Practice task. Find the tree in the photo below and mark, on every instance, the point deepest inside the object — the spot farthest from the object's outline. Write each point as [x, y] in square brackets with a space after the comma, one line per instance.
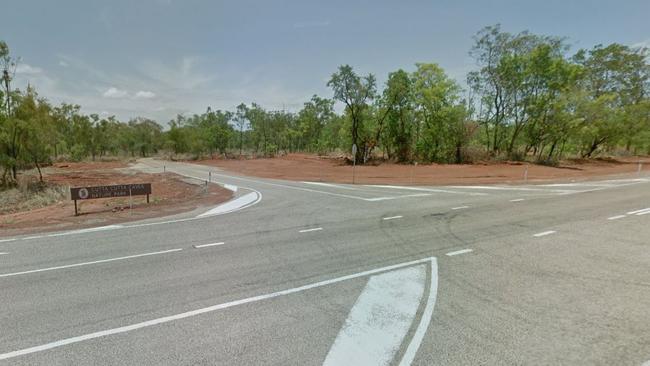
[355, 92]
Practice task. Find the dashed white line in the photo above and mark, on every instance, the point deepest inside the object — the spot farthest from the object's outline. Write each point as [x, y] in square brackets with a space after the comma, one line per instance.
[544, 233]
[459, 207]
[6, 240]
[208, 245]
[3, 253]
[310, 230]
[616, 217]
[415, 342]
[89, 263]
[392, 217]
[458, 252]
[517, 200]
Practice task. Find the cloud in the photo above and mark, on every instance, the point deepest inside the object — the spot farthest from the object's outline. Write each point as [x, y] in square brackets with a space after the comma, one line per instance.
[63, 64]
[113, 92]
[311, 24]
[144, 94]
[26, 69]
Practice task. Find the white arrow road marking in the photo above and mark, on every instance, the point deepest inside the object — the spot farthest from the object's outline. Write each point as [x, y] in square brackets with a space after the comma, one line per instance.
[382, 316]
[226, 305]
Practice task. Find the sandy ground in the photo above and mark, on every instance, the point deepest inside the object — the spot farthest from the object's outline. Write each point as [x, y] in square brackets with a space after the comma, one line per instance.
[171, 194]
[304, 167]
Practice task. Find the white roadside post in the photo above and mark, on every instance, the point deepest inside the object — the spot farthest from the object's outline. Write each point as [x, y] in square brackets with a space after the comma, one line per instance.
[526, 174]
[354, 160]
[210, 177]
[638, 169]
[130, 202]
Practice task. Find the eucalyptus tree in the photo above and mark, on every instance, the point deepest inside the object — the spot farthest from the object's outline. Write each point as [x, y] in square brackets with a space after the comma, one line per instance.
[355, 92]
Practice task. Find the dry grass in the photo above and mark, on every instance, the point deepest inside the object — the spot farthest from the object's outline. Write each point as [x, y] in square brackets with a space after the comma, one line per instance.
[30, 196]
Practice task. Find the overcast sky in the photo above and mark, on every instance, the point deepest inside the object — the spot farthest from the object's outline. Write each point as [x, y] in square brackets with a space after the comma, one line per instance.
[158, 58]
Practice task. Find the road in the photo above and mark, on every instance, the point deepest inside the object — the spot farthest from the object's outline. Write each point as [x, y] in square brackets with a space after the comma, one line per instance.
[310, 273]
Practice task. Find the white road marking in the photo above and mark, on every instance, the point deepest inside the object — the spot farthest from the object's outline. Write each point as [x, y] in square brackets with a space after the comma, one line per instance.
[503, 188]
[89, 263]
[230, 304]
[392, 217]
[380, 319]
[208, 245]
[638, 211]
[459, 207]
[330, 185]
[517, 200]
[425, 320]
[397, 197]
[616, 217]
[426, 190]
[643, 213]
[230, 187]
[544, 233]
[233, 205]
[458, 252]
[6, 240]
[310, 230]
[3, 253]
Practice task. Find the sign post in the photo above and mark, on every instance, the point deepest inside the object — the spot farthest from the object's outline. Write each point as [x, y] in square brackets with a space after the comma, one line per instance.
[354, 160]
[120, 190]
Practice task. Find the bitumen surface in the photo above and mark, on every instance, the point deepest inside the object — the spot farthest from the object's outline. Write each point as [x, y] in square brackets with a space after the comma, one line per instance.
[312, 273]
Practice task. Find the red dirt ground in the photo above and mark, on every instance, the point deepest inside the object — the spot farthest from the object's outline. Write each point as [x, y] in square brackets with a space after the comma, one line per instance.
[171, 194]
[305, 167]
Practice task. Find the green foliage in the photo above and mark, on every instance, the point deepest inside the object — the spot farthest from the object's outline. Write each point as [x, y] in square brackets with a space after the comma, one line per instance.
[528, 99]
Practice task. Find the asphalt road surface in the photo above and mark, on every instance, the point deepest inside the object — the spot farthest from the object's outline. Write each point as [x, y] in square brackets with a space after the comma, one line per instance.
[309, 273]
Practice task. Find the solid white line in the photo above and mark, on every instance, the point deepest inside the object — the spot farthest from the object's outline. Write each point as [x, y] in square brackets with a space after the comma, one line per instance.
[329, 185]
[88, 263]
[459, 207]
[643, 213]
[638, 211]
[544, 233]
[517, 200]
[226, 305]
[208, 245]
[426, 190]
[380, 319]
[309, 230]
[6, 240]
[462, 251]
[392, 217]
[616, 217]
[3, 253]
[397, 197]
[421, 330]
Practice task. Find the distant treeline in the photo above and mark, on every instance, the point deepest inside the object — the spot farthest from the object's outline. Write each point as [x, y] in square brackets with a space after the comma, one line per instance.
[527, 99]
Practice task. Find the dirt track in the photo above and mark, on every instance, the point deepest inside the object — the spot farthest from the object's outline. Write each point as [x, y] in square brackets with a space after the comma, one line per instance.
[303, 167]
[171, 194]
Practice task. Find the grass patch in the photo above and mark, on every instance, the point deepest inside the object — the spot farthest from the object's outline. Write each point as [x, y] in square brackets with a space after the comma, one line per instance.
[29, 197]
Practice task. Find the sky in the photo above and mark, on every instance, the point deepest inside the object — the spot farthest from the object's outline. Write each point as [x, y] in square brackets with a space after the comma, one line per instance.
[160, 58]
